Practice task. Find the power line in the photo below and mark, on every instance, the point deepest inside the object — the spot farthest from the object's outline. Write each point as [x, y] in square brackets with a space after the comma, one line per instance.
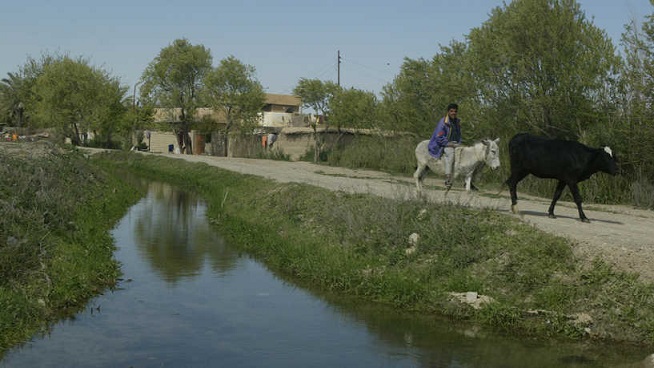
[371, 73]
[331, 69]
[368, 70]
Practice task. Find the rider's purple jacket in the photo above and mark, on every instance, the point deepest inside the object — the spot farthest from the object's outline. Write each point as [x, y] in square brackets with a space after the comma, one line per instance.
[446, 131]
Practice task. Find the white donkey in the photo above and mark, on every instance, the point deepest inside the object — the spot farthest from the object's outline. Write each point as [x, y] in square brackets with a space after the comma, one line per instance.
[468, 161]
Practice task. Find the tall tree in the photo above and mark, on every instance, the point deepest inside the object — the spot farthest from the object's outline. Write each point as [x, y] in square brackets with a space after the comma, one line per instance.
[419, 94]
[12, 105]
[29, 73]
[316, 95]
[113, 113]
[407, 101]
[354, 108]
[233, 90]
[543, 64]
[173, 81]
[76, 98]
[636, 119]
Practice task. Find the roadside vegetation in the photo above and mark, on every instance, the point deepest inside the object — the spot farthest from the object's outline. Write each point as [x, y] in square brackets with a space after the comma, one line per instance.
[55, 249]
[358, 245]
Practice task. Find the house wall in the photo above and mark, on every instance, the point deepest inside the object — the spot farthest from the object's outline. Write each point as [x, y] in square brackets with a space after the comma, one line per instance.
[159, 141]
[295, 145]
[283, 119]
[293, 141]
[296, 142]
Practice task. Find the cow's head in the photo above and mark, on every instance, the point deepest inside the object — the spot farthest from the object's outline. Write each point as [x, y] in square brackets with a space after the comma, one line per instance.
[609, 162]
[492, 157]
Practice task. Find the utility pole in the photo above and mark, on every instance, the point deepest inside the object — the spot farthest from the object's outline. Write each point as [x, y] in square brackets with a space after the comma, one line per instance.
[339, 67]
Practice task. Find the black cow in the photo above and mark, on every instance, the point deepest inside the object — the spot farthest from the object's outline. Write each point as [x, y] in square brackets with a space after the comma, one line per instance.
[569, 162]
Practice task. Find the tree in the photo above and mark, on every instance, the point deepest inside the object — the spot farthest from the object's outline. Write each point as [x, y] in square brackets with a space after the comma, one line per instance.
[173, 81]
[16, 97]
[354, 108]
[12, 104]
[636, 119]
[406, 102]
[418, 96]
[541, 64]
[113, 112]
[77, 99]
[233, 90]
[316, 94]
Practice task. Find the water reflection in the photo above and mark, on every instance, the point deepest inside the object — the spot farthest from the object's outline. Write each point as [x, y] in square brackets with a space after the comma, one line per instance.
[172, 233]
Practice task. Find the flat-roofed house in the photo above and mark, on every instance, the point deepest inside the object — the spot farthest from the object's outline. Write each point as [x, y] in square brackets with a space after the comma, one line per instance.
[282, 111]
[279, 111]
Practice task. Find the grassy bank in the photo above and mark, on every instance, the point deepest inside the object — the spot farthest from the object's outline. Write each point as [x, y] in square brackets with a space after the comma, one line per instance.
[358, 245]
[55, 249]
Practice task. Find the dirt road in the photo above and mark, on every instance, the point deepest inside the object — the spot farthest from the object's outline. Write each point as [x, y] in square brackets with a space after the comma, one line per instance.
[621, 235]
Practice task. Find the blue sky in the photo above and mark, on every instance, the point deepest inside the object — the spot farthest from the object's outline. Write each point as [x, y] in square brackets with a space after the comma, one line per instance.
[284, 40]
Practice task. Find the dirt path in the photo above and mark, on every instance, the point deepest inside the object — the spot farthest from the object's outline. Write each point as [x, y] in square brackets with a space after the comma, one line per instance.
[621, 235]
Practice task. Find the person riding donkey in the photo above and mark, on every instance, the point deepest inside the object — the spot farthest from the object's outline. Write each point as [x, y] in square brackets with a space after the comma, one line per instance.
[446, 137]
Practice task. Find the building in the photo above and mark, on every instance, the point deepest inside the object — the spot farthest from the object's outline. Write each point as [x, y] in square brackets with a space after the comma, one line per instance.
[282, 111]
[279, 111]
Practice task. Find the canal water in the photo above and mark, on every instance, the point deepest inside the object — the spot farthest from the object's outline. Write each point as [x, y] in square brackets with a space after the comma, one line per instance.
[188, 299]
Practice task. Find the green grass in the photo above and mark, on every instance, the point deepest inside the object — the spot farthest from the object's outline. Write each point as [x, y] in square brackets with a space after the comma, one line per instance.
[355, 245]
[55, 249]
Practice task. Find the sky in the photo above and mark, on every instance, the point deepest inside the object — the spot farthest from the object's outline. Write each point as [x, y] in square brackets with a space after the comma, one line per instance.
[283, 40]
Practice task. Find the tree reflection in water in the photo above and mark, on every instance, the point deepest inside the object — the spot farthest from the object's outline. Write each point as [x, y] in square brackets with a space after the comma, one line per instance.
[173, 233]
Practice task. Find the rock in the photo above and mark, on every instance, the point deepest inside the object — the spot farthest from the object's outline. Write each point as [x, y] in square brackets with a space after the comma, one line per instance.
[472, 298]
[648, 362]
[413, 239]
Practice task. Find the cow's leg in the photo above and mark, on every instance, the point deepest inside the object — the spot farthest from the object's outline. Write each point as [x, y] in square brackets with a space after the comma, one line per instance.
[512, 182]
[557, 194]
[577, 197]
[468, 182]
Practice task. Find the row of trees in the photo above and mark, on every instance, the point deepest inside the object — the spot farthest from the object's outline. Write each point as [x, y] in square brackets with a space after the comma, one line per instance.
[76, 98]
[534, 65]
